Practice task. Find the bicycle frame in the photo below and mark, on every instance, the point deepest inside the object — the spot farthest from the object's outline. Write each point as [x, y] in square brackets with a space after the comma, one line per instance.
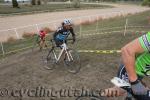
[64, 50]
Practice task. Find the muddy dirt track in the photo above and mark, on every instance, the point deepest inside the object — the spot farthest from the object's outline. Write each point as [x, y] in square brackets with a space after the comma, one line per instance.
[25, 70]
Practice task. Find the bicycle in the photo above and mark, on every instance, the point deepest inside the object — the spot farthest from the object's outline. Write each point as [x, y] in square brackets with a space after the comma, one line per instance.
[37, 42]
[71, 57]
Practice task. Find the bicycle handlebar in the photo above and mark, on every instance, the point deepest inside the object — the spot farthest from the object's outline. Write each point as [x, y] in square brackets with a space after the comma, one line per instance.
[52, 41]
[62, 41]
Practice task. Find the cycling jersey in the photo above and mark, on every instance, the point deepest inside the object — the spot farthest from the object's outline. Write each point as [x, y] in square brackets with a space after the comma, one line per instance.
[61, 34]
[143, 60]
[42, 35]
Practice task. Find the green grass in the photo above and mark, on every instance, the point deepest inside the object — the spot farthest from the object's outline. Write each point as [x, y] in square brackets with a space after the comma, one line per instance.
[140, 19]
[7, 9]
[104, 41]
[19, 44]
[130, 2]
[113, 41]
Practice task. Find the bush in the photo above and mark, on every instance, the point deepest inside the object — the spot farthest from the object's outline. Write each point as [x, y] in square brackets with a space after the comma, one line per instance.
[76, 3]
[27, 35]
[11, 40]
[1, 1]
[48, 30]
[33, 2]
[87, 22]
[146, 3]
[15, 4]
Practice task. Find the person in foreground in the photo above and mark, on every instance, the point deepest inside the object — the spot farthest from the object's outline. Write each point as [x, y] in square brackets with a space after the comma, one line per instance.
[136, 66]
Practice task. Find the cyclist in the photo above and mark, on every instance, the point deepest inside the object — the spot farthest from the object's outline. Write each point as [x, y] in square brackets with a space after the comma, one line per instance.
[41, 37]
[136, 65]
[63, 32]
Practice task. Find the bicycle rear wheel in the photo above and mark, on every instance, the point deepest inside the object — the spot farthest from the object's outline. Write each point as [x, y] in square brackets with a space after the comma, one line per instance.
[49, 60]
[73, 65]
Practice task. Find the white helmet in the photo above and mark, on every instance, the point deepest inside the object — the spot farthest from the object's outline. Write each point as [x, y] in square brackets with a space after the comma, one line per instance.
[67, 22]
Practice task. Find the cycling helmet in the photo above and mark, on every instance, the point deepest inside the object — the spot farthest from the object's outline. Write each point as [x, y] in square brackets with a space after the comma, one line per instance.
[67, 22]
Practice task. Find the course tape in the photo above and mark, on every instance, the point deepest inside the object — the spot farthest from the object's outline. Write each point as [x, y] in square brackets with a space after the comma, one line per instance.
[15, 51]
[81, 51]
[100, 51]
[101, 33]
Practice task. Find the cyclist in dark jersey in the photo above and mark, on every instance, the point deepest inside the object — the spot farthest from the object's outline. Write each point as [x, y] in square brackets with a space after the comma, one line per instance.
[63, 32]
[136, 65]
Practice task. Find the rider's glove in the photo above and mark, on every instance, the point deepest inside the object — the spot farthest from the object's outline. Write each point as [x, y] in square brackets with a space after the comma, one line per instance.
[138, 88]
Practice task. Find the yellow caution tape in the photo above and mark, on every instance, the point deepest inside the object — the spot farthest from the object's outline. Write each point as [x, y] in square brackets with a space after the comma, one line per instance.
[100, 51]
[82, 51]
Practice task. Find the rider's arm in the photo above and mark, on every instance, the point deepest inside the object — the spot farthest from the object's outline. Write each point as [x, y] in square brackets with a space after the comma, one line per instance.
[54, 35]
[73, 34]
[129, 52]
[56, 32]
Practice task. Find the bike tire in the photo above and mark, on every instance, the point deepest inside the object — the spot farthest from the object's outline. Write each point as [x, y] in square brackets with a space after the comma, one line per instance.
[49, 60]
[74, 65]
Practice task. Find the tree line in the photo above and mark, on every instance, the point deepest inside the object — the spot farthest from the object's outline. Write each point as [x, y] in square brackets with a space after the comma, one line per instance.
[76, 3]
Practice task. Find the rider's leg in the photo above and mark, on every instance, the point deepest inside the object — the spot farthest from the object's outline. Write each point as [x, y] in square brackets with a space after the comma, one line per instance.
[59, 44]
[40, 44]
[122, 74]
[44, 42]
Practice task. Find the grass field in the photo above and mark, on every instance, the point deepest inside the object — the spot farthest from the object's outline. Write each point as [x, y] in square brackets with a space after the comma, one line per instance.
[102, 26]
[7, 9]
[141, 19]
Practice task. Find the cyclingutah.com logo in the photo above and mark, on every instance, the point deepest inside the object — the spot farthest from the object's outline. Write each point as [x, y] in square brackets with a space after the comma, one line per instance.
[50, 92]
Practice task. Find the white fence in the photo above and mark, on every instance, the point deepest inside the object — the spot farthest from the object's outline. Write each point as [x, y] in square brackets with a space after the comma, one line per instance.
[18, 31]
[80, 31]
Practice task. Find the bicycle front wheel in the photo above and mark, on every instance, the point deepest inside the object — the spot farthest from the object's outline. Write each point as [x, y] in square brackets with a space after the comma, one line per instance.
[72, 61]
[49, 60]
